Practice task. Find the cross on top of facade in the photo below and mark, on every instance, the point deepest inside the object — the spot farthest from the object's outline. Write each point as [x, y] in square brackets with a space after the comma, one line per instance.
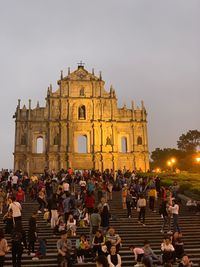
[81, 64]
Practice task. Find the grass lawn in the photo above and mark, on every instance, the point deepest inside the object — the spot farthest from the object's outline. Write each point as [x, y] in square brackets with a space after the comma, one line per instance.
[189, 182]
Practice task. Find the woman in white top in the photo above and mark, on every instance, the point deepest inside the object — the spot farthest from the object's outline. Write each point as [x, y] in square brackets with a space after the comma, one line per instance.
[175, 213]
[71, 225]
[114, 259]
[16, 209]
[168, 251]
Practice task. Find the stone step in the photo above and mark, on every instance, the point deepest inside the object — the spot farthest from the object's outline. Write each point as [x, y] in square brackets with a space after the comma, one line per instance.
[130, 231]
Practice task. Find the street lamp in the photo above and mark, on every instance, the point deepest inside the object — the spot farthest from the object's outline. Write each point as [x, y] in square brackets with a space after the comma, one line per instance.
[198, 160]
[158, 170]
[173, 160]
[171, 163]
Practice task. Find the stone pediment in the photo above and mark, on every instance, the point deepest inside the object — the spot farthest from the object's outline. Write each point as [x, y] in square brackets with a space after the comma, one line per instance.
[81, 74]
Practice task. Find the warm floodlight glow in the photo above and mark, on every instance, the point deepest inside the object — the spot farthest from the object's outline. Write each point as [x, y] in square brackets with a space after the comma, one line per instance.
[173, 160]
[198, 160]
[169, 163]
[158, 170]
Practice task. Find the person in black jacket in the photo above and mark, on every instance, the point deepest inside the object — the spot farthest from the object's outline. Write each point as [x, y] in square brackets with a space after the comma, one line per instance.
[166, 216]
[32, 233]
[8, 221]
[18, 237]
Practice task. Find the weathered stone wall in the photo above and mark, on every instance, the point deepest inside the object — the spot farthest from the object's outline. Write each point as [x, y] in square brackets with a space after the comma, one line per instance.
[81, 107]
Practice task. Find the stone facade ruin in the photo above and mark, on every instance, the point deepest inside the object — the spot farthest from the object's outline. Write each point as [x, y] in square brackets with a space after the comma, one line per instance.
[80, 127]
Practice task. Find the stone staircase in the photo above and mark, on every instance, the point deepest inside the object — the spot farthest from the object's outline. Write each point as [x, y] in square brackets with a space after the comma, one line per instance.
[129, 230]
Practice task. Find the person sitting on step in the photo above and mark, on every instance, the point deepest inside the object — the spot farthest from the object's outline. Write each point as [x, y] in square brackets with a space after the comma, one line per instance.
[98, 244]
[114, 259]
[185, 262]
[83, 249]
[149, 253]
[113, 239]
[64, 247]
[101, 261]
[71, 225]
[178, 245]
[168, 252]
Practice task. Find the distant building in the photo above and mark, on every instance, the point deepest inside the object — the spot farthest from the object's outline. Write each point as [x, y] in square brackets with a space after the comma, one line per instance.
[80, 127]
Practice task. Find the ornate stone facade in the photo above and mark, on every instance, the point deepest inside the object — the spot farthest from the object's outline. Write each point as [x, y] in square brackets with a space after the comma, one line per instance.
[80, 113]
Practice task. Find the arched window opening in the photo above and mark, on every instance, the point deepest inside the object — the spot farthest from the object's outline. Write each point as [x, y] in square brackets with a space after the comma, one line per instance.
[124, 144]
[81, 113]
[82, 92]
[40, 145]
[139, 140]
[82, 144]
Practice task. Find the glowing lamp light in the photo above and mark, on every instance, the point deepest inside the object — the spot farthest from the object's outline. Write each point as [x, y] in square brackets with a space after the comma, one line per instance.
[173, 160]
[169, 163]
[198, 160]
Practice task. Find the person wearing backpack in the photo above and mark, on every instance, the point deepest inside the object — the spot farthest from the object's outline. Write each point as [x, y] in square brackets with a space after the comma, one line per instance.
[18, 238]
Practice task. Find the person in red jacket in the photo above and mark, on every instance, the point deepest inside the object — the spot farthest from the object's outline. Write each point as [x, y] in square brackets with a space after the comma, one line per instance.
[89, 202]
[20, 195]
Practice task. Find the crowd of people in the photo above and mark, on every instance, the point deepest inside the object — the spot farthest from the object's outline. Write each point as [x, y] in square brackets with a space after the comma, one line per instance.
[71, 199]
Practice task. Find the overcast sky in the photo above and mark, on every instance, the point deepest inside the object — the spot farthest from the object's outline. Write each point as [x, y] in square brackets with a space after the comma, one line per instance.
[147, 49]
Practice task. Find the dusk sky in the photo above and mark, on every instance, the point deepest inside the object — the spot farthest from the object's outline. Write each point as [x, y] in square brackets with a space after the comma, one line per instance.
[147, 49]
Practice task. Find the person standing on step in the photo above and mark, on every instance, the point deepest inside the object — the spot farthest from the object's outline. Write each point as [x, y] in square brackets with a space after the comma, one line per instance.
[129, 202]
[166, 216]
[110, 189]
[16, 209]
[20, 195]
[90, 202]
[124, 195]
[175, 213]
[18, 238]
[2, 199]
[14, 181]
[42, 200]
[53, 210]
[104, 211]
[32, 234]
[152, 198]
[67, 206]
[95, 222]
[141, 208]
[8, 221]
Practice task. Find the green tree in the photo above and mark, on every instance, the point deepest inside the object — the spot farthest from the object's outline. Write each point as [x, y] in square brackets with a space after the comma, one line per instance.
[190, 141]
[161, 156]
